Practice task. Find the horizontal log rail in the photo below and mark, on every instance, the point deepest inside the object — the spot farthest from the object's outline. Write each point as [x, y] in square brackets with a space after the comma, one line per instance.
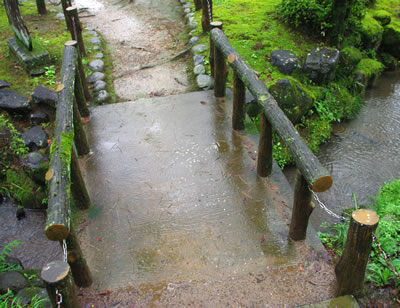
[311, 173]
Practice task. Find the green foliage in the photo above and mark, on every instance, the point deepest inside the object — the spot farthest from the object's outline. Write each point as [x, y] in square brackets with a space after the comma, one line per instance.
[4, 266]
[9, 300]
[50, 74]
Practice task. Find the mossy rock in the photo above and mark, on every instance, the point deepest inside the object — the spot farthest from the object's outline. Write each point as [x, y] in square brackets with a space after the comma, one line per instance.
[383, 17]
[292, 97]
[24, 190]
[349, 58]
[390, 62]
[368, 71]
[391, 39]
[371, 33]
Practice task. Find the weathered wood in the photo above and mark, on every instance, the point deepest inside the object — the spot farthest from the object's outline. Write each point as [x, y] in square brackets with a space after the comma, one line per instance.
[206, 17]
[220, 74]
[197, 5]
[76, 30]
[264, 159]
[350, 270]
[58, 280]
[17, 23]
[239, 101]
[65, 4]
[41, 7]
[80, 271]
[214, 24]
[78, 186]
[317, 176]
[58, 211]
[302, 209]
[81, 142]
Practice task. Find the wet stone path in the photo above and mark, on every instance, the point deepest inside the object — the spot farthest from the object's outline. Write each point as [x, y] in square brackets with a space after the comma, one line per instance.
[180, 217]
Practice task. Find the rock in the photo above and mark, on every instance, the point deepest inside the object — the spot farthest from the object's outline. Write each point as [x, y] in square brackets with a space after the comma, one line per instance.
[187, 5]
[199, 48]
[199, 69]
[14, 281]
[389, 61]
[391, 39]
[102, 96]
[371, 33]
[90, 28]
[198, 59]
[349, 58]
[27, 294]
[193, 24]
[292, 98]
[4, 84]
[99, 55]
[96, 47]
[367, 72]
[96, 65]
[35, 138]
[205, 82]
[187, 10]
[182, 1]
[96, 76]
[95, 41]
[192, 32]
[93, 33]
[43, 95]
[285, 60]
[321, 64]
[383, 17]
[12, 102]
[60, 16]
[99, 85]
[190, 19]
[193, 40]
[39, 117]
[33, 160]
[15, 261]
[36, 165]
[188, 16]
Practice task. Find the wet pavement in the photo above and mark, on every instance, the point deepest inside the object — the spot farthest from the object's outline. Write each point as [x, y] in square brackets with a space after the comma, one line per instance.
[180, 217]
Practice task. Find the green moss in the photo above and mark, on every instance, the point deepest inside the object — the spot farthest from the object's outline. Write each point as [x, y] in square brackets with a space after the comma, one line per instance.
[66, 142]
[349, 58]
[391, 39]
[371, 31]
[383, 17]
[370, 69]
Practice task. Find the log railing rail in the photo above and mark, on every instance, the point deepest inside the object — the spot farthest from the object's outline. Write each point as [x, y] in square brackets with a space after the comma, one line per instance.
[311, 174]
[64, 176]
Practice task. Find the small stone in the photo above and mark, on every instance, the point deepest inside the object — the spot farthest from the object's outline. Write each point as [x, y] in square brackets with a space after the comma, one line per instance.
[96, 65]
[285, 60]
[93, 33]
[14, 281]
[187, 5]
[60, 16]
[199, 69]
[205, 82]
[12, 102]
[199, 48]
[95, 40]
[96, 76]
[99, 55]
[96, 48]
[43, 95]
[198, 59]
[187, 10]
[193, 40]
[191, 33]
[102, 96]
[39, 117]
[90, 28]
[35, 138]
[190, 19]
[34, 159]
[99, 85]
[4, 84]
[182, 1]
[188, 15]
[193, 24]
[27, 294]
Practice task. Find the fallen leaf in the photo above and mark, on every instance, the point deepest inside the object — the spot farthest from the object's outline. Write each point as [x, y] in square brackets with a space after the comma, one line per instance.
[105, 292]
[273, 187]
[49, 141]
[301, 269]
[85, 120]
[98, 239]
[203, 102]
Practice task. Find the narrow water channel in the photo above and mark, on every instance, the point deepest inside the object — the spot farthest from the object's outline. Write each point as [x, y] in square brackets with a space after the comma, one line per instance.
[363, 153]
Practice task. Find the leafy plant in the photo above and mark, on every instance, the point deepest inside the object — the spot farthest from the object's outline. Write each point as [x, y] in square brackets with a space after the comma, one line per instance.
[4, 266]
[50, 74]
[9, 300]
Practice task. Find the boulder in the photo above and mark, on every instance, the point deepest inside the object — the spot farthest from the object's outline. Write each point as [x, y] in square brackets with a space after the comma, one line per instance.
[43, 95]
[12, 102]
[349, 58]
[4, 84]
[285, 60]
[367, 72]
[321, 64]
[391, 39]
[205, 82]
[36, 165]
[389, 61]
[199, 48]
[371, 33]
[383, 17]
[35, 138]
[14, 281]
[27, 294]
[96, 65]
[95, 77]
[292, 98]
[39, 117]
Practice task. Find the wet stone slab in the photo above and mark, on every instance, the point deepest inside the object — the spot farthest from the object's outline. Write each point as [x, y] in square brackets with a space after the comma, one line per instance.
[176, 198]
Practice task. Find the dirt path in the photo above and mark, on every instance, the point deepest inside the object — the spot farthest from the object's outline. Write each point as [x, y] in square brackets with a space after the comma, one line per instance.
[142, 32]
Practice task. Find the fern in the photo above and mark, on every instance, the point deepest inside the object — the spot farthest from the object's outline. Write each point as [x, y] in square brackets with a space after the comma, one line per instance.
[4, 266]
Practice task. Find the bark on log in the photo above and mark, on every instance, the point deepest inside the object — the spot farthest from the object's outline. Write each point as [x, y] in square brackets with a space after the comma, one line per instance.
[264, 159]
[57, 277]
[17, 23]
[220, 74]
[80, 97]
[58, 211]
[317, 176]
[239, 101]
[81, 142]
[76, 28]
[206, 19]
[78, 186]
[214, 24]
[79, 268]
[302, 209]
[41, 7]
[350, 270]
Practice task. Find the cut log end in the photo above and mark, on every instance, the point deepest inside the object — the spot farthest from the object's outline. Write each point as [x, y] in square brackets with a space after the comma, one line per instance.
[216, 24]
[231, 58]
[365, 217]
[323, 183]
[55, 271]
[57, 232]
[71, 8]
[71, 43]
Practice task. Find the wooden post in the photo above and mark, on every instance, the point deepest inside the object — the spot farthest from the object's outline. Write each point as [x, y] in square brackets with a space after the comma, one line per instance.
[81, 143]
[214, 24]
[79, 268]
[350, 270]
[76, 29]
[58, 280]
[206, 17]
[197, 5]
[302, 208]
[78, 187]
[65, 4]
[80, 97]
[264, 159]
[41, 7]
[238, 114]
[220, 74]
